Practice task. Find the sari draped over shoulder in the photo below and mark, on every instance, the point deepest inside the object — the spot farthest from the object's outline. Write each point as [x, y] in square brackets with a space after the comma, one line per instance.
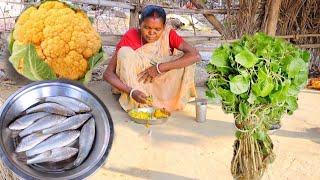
[171, 90]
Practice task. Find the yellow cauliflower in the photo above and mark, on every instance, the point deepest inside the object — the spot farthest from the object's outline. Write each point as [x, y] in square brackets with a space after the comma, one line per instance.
[62, 37]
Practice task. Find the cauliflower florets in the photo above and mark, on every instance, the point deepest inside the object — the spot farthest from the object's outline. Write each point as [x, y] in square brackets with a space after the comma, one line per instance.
[63, 38]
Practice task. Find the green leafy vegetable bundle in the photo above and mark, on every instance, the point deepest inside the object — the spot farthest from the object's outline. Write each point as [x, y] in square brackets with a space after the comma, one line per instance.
[257, 79]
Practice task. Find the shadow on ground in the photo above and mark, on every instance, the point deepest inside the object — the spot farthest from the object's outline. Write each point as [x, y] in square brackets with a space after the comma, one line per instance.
[312, 134]
[145, 173]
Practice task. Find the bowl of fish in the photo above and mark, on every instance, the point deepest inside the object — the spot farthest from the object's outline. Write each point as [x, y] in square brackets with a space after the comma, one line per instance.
[54, 130]
[149, 115]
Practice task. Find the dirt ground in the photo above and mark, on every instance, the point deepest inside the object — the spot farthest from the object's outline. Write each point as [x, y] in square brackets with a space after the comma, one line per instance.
[185, 149]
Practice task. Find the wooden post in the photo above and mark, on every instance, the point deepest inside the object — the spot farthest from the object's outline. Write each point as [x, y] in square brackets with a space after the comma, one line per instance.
[210, 17]
[134, 14]
[272, 19]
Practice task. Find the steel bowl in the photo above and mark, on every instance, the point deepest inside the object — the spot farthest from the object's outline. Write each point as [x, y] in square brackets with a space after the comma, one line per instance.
[152, 121]
[29, 95]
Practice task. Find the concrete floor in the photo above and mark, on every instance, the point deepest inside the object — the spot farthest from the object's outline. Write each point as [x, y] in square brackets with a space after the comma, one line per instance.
[185, 149]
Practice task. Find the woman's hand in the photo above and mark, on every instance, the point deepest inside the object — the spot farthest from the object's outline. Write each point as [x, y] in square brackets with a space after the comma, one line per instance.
[148, 75]
[139, 96]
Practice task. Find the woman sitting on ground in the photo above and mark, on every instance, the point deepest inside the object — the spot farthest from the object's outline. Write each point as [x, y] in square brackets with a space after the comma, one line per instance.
[147, 63]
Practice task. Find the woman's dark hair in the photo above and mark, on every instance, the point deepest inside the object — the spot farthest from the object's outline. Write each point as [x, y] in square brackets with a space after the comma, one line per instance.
[153, 11]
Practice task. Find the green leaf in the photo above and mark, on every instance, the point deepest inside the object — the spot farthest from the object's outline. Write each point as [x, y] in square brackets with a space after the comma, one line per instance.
[285, 61]
[276, 114]
[223, 70]
[262, 52]
[244, 73]
[277, 97]
[10, 42]
[281, 95]
[238, 134]
[244, 96]
[18, 53]
[34, 68]
[219, 57]
[293, 90]
[256, 89]
[262, 38]
[72, 6]
[295, 66]
[251, 98]
[227, 96]
[239, 84]
[210, 68]
[96, 59]
[262, 75]
[87, 78]
[292, 104]
[93, 62]
[259, 135]
[301, 79]
[212, 83]
[91, 19]
[262, 44]
[246, 58]
[263, 88]
[212, 94]
[277, 48]
[244, 110]
[237, 48]
[275, 66]
[305, 55]
[262, 100]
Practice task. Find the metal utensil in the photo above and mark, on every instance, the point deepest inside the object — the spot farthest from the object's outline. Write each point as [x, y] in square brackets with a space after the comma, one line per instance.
[151, 121]
[29, 95]
[201, 111]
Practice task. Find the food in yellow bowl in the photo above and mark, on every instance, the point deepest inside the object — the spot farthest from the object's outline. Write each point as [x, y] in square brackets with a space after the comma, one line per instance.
[161, 113]
[139, 114]
[156, 114]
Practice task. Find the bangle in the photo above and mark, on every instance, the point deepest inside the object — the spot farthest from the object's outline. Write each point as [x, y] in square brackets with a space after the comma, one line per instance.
[131, 92]
[158, 70]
